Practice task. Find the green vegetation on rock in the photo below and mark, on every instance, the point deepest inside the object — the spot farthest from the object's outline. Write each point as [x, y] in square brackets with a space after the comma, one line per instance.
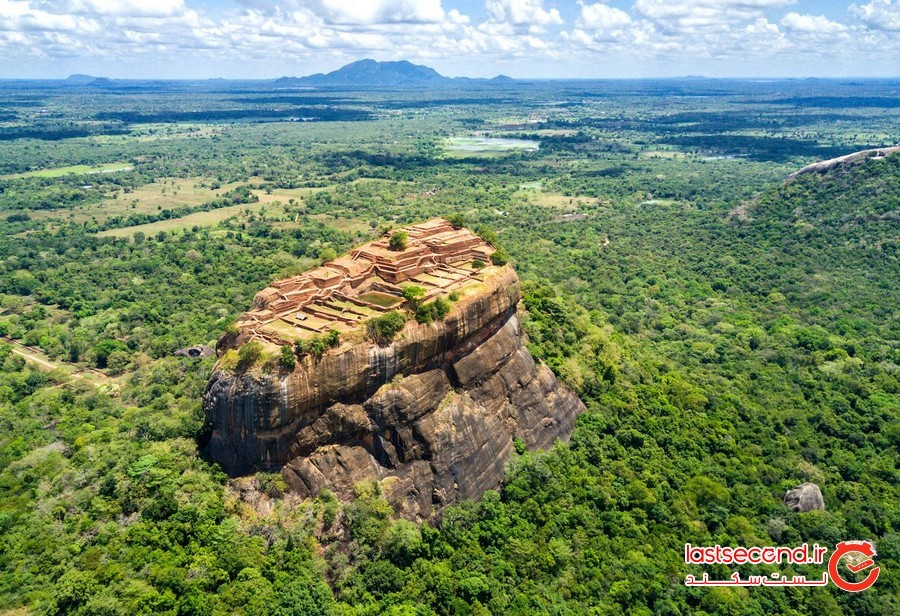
[384, 329]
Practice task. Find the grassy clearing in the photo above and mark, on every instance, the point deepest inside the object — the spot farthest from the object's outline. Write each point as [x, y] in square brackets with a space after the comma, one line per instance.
[270, 205]
[161, 132]
[554, 200]
[171, 193]
[466, 146]
[343, 224]
[70, 170]
[152, 198]
[284, 195]
[199, 219]
[662, 154]
[167, 193]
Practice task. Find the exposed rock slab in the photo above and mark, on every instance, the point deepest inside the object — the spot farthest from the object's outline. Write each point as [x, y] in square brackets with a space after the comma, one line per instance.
[854, 158]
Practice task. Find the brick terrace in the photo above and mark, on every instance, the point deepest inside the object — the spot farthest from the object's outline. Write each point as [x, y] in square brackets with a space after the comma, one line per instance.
[367, 281]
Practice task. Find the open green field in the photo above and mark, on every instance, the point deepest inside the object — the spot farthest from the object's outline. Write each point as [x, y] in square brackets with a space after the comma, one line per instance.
[551, 199]
[70, 170]
[489, 145]
[198, 219]
[163, 194]
[273, 205]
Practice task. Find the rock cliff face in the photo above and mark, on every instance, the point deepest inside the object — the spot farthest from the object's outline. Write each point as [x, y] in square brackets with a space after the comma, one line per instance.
[433, 415]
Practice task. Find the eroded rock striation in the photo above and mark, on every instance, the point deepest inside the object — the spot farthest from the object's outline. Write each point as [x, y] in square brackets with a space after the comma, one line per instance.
[433, 415]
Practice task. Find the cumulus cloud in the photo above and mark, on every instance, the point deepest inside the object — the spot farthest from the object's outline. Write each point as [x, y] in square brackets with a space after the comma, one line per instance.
[879, 14]
[686, 15]
[20, 16]
[313, 34]
[381, 11]
[602, 17]
[522, 12]
[129, 8]
[812, 24]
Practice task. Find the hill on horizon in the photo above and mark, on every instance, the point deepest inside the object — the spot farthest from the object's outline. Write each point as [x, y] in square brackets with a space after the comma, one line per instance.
[372, 73]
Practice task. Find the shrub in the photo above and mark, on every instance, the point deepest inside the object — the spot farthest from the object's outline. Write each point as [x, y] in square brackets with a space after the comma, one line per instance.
[383, 329]
[272, 484]
[499, 257]
[457, 220]
[118, 362]
[317, 345]
[332, 337]
[433, 311]
[399, 240]
[287, 357]
[249, 354]
[478, 264]
[441, 308]
[487, 234]
[413, 294]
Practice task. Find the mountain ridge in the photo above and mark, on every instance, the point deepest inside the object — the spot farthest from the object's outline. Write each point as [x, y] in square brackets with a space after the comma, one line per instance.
[373, 73]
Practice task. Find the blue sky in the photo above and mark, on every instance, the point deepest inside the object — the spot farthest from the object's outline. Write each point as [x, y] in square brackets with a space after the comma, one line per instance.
[479, 38]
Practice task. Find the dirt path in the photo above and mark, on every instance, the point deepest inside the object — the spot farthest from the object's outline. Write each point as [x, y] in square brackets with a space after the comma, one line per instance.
[38, 357]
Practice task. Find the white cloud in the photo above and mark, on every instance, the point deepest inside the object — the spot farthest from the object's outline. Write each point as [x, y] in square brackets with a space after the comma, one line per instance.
[879, 14]
[455, 17]
[522, 12]
[812, 24]
[688, 15]
[381, 11]
[20, 16]
[304, 36]
[602, 17]
[129, 8]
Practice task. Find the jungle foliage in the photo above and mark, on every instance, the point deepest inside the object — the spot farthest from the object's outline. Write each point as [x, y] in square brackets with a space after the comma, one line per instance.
[732, 334]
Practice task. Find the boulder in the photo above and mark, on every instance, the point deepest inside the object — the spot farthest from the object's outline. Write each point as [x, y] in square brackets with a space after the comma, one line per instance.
[805, 497]
[197, 352]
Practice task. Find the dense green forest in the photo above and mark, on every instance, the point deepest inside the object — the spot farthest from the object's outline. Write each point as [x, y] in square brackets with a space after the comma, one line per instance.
[732, 333]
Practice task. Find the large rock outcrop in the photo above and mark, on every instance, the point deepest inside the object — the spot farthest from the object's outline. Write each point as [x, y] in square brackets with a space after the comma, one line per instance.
[825, 166]
[433, 415]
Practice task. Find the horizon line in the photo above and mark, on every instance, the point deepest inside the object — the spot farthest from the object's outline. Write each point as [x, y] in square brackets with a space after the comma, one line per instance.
[463, 77]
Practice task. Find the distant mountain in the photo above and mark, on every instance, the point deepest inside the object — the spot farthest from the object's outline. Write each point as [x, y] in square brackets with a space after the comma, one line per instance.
[371, 73]
[79, 79]
[103, 82]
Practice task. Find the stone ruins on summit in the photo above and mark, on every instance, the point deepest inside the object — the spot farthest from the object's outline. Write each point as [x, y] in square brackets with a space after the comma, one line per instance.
[368, 281]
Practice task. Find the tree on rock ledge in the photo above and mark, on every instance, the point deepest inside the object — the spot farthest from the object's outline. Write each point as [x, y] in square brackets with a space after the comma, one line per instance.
[383, 329]
[399, 240]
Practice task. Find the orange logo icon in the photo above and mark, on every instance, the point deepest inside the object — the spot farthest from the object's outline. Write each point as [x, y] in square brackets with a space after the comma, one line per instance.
[843, 549]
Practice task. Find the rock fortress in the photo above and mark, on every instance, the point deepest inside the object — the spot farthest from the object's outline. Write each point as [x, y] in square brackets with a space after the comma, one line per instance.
[432, 414]
[368, 281]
